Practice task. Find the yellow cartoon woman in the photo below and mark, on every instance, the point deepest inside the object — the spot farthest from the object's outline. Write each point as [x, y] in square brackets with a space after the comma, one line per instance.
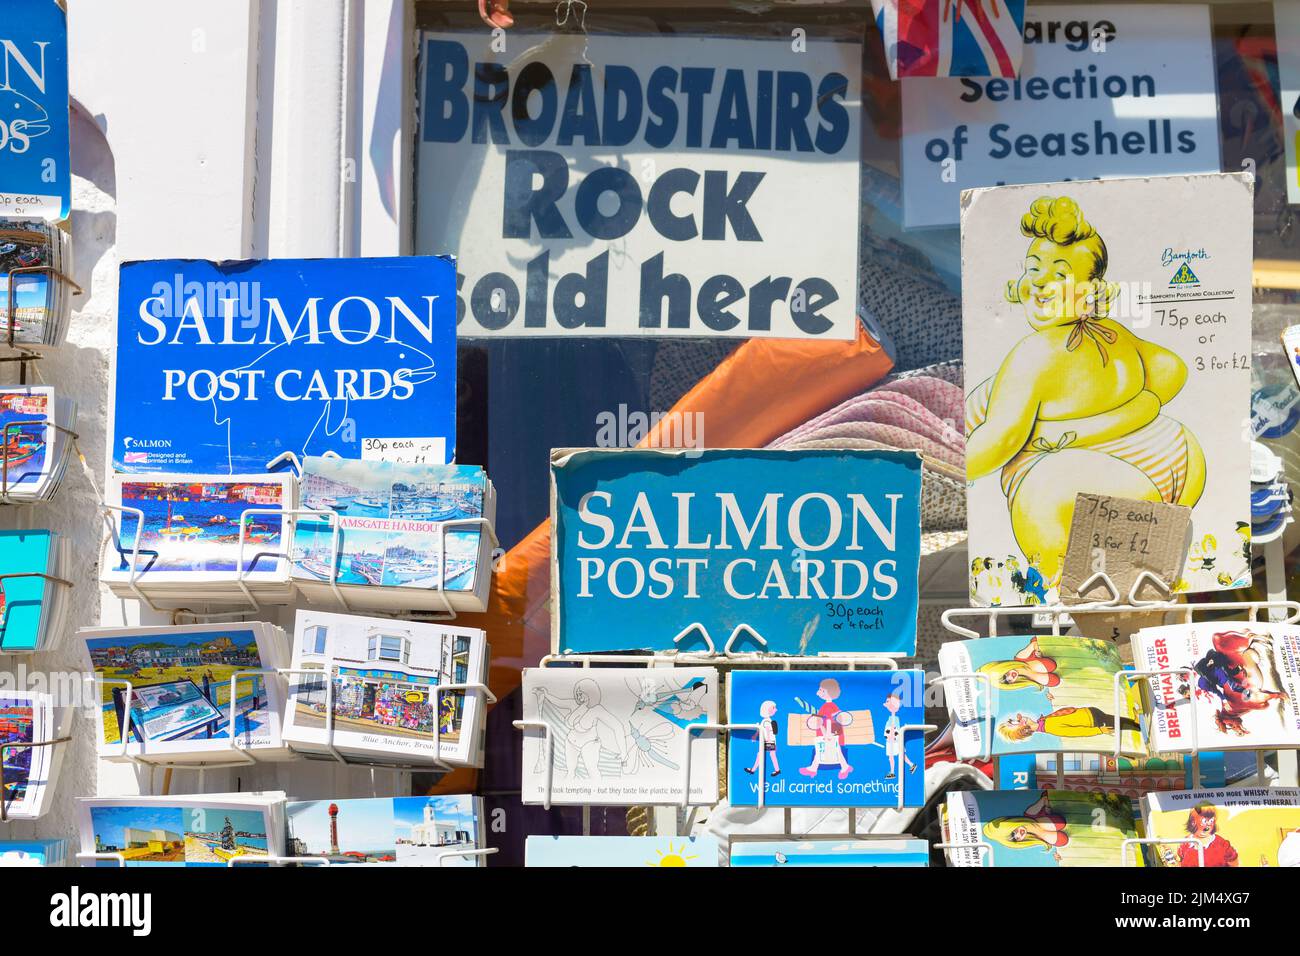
[1076, 404]
[1029, 668]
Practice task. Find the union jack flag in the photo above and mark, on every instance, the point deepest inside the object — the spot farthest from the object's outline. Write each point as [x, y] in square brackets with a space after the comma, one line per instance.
[135, 458]
[951, 37]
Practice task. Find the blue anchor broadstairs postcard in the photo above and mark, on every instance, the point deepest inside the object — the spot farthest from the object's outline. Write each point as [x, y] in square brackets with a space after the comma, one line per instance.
[222, 367]
[826, 738]
[813, 551]
[619, 735]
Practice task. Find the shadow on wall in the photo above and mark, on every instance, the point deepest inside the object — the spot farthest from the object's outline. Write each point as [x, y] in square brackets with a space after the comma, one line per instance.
[78, 369]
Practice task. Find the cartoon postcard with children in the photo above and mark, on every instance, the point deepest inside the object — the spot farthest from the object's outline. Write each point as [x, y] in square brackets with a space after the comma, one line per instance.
[618, 735]
[1106, 329]
[826, 738]
[1047, 695]
[1039, 828]
[1243, 827]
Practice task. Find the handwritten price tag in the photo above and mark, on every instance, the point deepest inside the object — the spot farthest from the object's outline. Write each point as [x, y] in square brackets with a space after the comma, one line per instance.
[1124, 537]
[406, 451]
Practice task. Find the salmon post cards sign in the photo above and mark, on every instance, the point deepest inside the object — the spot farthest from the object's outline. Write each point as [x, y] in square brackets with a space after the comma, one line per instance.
[1107, 342]
[786, 552]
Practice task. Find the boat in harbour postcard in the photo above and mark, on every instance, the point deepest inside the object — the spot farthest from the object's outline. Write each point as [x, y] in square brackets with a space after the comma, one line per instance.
[383, 528]
[187, 528]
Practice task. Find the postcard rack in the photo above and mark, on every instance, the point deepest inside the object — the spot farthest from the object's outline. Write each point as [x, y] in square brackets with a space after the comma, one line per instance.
[25, 354]
[4, 615]
[4, 755]
[5, 497]
[434, 762]
[985, 849]
[724, 661]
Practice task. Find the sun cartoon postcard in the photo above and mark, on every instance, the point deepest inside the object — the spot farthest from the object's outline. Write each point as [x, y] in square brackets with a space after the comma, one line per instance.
[629, 851]
[619, 735]
[1039, 828]
[1106, 329]
[826, 738]
[1244, 827]
[1046, 694]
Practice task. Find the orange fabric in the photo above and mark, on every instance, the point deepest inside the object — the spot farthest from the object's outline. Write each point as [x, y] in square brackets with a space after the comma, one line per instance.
[759, 392]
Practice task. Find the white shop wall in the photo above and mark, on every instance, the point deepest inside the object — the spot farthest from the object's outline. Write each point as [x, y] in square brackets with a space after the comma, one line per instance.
[223, 130]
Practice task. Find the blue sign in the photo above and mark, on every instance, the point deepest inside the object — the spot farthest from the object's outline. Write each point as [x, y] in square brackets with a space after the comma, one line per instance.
[826, 738]
[35, 179]
[222, 367]
[816, 552]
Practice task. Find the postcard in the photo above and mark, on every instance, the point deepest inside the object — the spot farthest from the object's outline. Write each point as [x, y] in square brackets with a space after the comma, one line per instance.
[815, 551]
[30, 773]
[1257, 826]
[847, 851]
[49, 852]
[388, 520]
[32, 606]
[1221, 686]
[1128, 776]
[41, 304]
[25, 436]
[207, 830]
[222, 367]
[189, 527]
[618, 735]
[621, 851]
[826, 738]
[382, 676]
[170, 686]
[1039, 828]
[1048, 694]
[1107, 340]
[388, 831]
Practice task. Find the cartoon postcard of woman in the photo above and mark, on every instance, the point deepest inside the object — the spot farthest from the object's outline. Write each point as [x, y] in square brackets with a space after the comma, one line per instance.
[1097, 361]
[1049, 694]
[1039, 828]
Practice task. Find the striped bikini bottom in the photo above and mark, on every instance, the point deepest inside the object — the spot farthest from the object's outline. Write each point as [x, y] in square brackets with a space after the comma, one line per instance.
[1159, 450]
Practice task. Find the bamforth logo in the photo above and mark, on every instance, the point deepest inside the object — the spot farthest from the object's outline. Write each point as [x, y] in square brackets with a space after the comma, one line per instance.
[76, 909]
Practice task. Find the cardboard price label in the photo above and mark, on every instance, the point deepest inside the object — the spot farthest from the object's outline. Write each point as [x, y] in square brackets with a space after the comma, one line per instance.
[1123, 537]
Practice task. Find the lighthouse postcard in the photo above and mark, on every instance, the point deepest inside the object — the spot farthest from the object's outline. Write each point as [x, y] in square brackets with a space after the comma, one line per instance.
[388, 831]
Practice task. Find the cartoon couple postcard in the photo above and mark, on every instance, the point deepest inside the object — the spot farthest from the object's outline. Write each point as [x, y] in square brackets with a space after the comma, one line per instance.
[826, 738]
[1040, 695]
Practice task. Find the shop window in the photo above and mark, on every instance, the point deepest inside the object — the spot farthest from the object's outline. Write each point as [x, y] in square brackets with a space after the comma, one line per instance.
[314, 638]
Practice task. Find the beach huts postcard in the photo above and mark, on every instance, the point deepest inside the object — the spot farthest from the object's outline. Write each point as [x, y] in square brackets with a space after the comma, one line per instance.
[826, 738]
[208, 830]
[619, 735]
[441, 830]
[665, 852]
[170, 690]
[377, 695]
[394, 535]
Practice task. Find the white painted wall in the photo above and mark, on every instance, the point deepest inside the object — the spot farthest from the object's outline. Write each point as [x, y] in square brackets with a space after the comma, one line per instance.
[215, 129]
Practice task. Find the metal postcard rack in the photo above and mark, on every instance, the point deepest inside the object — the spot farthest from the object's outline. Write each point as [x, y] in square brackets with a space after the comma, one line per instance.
[289, 524]
[243, 755]
[25, 354]
[724, 660]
